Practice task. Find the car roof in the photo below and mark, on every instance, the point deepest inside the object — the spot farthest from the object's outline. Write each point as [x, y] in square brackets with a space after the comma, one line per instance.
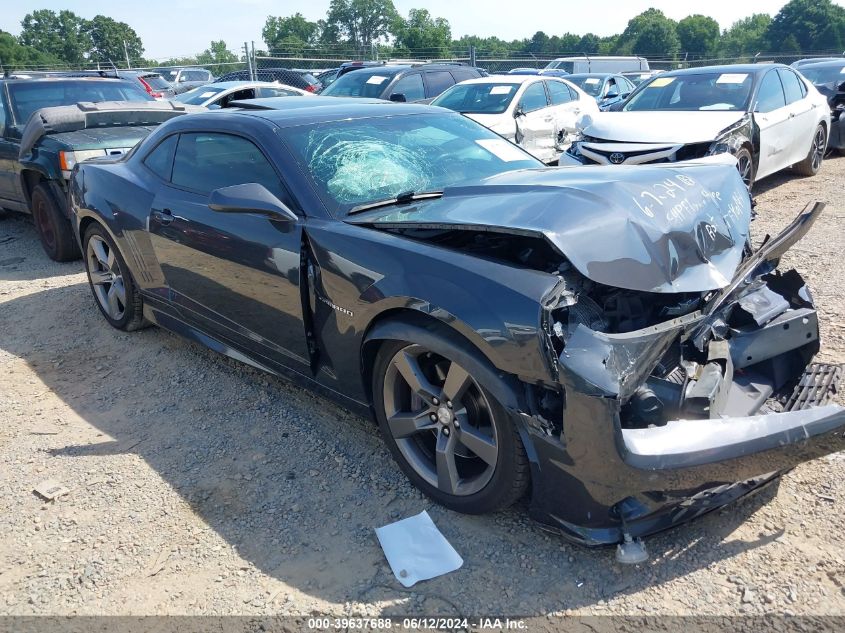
[591, 75]
[289, 112]
[751, 69]
[832, 63]
[225, 85]
[60, 78]
[508, 79]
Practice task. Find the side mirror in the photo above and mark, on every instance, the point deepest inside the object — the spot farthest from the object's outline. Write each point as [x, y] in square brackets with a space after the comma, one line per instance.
[518, 111]
[398, 97]
[250, 197]
[612, 95]
[841, 87]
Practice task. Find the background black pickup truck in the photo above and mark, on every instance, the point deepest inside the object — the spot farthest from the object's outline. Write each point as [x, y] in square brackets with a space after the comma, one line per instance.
[49, 124]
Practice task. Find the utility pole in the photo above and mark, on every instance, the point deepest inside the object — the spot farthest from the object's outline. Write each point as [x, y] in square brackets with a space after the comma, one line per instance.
[254, 64]
[472, 55]
[248, 61]
[126, 52]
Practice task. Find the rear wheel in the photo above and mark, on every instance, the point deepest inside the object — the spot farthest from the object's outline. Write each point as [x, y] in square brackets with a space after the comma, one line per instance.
[810, 166]
[449, 435]
[54, 229]
[111, 283]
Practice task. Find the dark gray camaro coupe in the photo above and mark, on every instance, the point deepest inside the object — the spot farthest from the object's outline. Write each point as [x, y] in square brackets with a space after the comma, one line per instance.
[604, 338]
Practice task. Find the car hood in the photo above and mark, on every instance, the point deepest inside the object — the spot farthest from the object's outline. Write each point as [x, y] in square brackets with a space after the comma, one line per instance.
[652, 229]
[673, 128]
[103, 138]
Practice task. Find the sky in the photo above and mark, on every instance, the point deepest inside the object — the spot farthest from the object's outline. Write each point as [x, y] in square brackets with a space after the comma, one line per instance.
[175, 28]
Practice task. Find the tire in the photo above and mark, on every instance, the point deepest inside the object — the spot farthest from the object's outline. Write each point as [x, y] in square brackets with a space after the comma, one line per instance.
[114, 290]
[466, 455]
[810, 166]
[53, 228]
[745, 166]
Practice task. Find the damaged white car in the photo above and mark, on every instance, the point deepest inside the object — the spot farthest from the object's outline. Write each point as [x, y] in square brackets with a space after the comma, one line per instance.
[538, 113]
[766, 115]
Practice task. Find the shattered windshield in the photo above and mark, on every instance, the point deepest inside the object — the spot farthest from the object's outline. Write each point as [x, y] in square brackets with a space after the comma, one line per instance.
[356, 162]
[477, 98]
[700, 91]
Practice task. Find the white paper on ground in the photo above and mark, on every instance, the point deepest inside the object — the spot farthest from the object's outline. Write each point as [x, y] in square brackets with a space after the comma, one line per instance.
[416, 550]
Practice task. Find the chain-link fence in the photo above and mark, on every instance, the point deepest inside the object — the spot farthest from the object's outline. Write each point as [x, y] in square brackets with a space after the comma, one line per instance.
[502, 64]
[326, 57]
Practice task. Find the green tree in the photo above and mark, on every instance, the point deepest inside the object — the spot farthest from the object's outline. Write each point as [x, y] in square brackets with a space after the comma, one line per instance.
[539, 43]
[420, 32]
[16, 56]
[113, 41]
[745, 37]
[361, 22]
[294, 28]
[814, 24]
[652, 34]
[698, 34]
[217, 53]
[59, 35]
[588, 44]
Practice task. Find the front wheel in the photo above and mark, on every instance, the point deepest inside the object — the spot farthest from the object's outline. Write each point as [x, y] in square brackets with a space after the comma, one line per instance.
[745, 166]
[810, 166]
[52, 225]
[448, 434]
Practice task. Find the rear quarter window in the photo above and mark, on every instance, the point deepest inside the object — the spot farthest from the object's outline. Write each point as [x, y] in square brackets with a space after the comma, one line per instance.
[160, 160]
[438, 81]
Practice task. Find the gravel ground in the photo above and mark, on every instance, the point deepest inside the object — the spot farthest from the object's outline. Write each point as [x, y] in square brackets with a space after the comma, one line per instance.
[200, 486]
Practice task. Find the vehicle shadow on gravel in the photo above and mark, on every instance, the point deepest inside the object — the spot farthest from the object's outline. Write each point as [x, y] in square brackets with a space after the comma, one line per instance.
[782, 177]
[295, 485]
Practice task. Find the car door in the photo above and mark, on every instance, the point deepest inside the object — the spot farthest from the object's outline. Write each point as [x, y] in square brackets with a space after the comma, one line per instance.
[566, 108]
[235, 275]
[772, 117]
[802, 112]
[8, 155]
[535, 122]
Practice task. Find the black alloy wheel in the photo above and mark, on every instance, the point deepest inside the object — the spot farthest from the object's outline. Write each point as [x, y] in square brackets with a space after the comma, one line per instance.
[448, 434]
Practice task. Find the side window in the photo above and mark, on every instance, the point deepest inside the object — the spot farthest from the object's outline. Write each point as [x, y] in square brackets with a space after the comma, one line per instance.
[559, 92]
[534, 97]
[160, 160]
[574, 93]
[207, 161]
[438, 81]
[770, 94]
[411, 86]
[792, 86]
[463, 75]
[610, 86]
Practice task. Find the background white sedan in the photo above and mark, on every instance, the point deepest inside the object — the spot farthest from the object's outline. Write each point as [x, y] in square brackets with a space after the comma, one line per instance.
[538, 113]
[218, 95]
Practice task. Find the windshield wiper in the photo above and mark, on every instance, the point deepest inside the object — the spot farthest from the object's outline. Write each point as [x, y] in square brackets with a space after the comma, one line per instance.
[403, 198]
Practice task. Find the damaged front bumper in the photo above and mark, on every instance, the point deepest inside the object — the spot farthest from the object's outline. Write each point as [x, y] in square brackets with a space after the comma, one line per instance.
[665, 423]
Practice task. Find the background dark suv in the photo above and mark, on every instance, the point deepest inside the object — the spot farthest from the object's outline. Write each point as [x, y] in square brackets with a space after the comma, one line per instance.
[400, 82]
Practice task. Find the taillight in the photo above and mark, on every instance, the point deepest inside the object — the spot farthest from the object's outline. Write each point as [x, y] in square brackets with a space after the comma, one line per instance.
[149, 89]
[310, 88]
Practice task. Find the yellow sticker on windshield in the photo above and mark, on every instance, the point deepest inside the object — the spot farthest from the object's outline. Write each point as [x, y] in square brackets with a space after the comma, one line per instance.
[660, 82]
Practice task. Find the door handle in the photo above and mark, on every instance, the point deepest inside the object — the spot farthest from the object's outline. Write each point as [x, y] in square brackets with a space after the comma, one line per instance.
[163, 216]
[791, 115]
[548, 119]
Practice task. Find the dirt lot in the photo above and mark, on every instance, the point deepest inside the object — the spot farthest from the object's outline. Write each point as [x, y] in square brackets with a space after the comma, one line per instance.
[198, 485]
